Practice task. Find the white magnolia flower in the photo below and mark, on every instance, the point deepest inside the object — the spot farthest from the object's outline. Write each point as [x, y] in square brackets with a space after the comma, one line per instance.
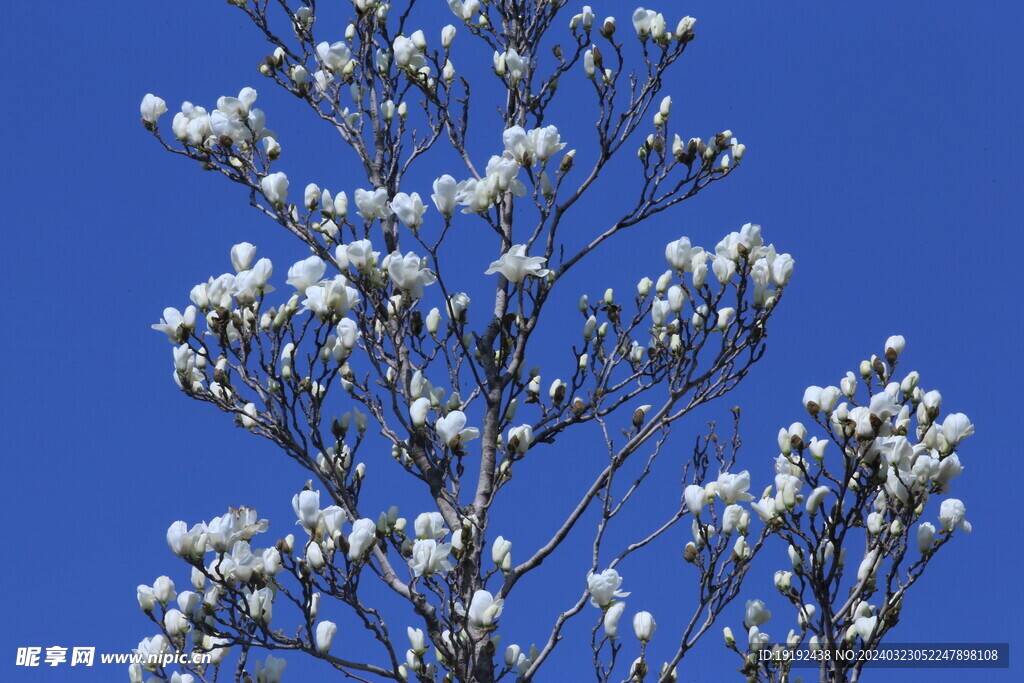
[242, 255]
[696, 497]
[409, 209]
[163, 590]
[447, 36]
[458, 304]
[235, 525]
[446, 195]
[373, 204]
[334, 56]
[733, 487]
[192, 125]
[174, 321]
[951, 515]
[644, 626]
[500, 550]
[484, 610]
[306, 505]
[589, 66]
[520, 438]
[814, 500]
[418, 411]
[261, 605]
[270, 670]
[152, 108]
[331, 297]
[362, 538]
[329, 521]
[817, 399]
[187, 543]
[306, 273]
[955, 428]
[604, 588]
[516, 266]
[407, 54]
[925, 537]
[272, 561]
[430, 557]
[249, 284]
[325, 632]
[643, 22]
[529, 148]
[409, 273]
[153, 647]
[733, 518]
[315, 556]
[275, 188]
[611, 618]
[747, 242]
[545, 142]
[680, 254]
[430, 525]
[361, 256]
[865, 627]
[452, 429]
[895, 344]
[756, 613]
[464, 9]
[311, 196]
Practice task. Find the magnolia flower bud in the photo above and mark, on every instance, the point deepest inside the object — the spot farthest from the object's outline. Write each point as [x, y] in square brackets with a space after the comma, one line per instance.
[848, 385]
[894, 346]
[643, 288]
[690, 552]
[557, 391]
[814, 500]
[784, 441]
[315, 556]
[663, 282]
[447, 36]
[611, 618]
[272, 148]
[145, 597]
[325, 632]
[418, 411]
[152, 108]
[163, 590]
[311, 196]
[275, 188]
[925, 537]
[500, 550]
[644, 626]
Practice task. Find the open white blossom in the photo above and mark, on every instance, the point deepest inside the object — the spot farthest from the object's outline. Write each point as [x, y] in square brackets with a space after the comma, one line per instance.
[516, 266]
[452, 430]
[430, 557]
[409, 273]
[604, 588]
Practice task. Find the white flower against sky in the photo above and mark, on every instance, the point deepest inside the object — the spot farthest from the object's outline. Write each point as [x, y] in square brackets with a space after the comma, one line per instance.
[516, 266]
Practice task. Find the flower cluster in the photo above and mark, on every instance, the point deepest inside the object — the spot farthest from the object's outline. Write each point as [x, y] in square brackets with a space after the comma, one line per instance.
[872, 470]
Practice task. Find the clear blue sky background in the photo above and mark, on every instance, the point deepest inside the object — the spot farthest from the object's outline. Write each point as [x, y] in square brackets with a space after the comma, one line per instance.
[884, 153]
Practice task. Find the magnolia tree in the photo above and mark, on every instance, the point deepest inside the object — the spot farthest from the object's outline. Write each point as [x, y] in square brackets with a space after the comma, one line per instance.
[373, 338]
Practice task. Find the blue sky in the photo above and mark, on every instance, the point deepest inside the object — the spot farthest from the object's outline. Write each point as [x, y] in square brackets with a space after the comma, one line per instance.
[884, 153]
